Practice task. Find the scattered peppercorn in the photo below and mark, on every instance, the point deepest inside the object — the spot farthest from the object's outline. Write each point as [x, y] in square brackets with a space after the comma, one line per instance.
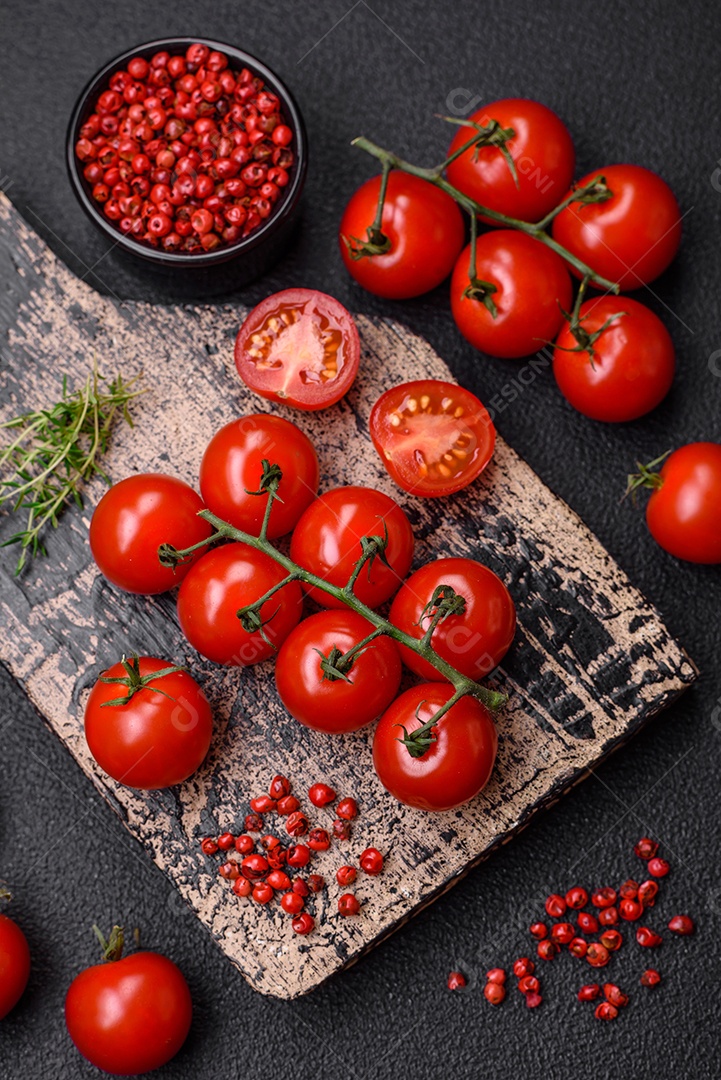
[456, 980]
[682, 924]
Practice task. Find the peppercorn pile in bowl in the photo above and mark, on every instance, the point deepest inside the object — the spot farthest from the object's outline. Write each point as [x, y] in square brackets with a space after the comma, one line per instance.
[189, 153]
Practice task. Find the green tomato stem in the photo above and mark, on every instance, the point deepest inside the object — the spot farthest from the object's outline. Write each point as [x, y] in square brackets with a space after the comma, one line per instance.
[461, 683]
[473, 208]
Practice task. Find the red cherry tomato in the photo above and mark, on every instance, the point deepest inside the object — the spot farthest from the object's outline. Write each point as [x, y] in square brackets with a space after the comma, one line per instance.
[299, 347]
[309, 691]
[532, 285]
[160, 737]
[633, 236]
[327, 541]
[224, 580]
[232, 467]
[542, 151]
[433, 437]
[454, 768]
[133, 519]
[475, 641]
[14, 964]
[129, 1016]
[630, 368]
[684, 511]
[425, 229]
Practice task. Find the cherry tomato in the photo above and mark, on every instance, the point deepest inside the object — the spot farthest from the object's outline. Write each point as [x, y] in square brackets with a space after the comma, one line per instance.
[684, 511]
[425, 229]
[532, 285]
[433, 437]
[224, 580]
[133, 519]
[542, 151]
[474, 641]
[454, 768]
[628, 369]
[327, 541]
[299, 347]
[232, 467]
[129, 1016]
[160, 737]
[633, 236]
[309, 691]
[14, 964]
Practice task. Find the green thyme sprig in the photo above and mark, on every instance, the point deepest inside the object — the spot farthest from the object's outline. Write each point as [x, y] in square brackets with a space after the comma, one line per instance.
[56, 451]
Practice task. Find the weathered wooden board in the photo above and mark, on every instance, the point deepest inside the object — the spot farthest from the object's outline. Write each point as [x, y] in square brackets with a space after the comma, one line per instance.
[592, 660]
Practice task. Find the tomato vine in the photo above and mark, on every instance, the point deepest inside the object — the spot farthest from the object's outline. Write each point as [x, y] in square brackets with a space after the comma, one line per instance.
[445, 602]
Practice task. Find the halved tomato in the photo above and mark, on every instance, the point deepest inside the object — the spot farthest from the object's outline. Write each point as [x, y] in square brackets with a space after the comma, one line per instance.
[433, 437]
[299, 347]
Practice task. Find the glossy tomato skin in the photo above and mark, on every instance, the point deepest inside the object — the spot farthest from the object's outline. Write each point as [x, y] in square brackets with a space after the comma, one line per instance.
[684, 514]
[633, 364]
[220, 583]
[474, 642]
[633, 236]
[433, 437]
[299, 347]
[455, 767]
[133, 519]
[532, 286]
[14, 964]
[336, 705]
[129, 1016]
[327, 539]
[153, 741]
[232, 467]
[542, 151]
[425, 228]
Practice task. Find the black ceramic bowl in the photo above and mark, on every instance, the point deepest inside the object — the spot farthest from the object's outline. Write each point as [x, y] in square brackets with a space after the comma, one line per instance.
[248, 258]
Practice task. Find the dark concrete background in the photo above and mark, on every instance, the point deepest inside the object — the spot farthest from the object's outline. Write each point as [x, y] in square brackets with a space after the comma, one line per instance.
[634, 83]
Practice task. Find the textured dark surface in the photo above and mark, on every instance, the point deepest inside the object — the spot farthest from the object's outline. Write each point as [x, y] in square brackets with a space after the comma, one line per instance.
[633, 83]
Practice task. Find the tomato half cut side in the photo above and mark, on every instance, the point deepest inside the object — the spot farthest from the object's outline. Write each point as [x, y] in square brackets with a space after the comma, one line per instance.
[433, 437]
[299, 347]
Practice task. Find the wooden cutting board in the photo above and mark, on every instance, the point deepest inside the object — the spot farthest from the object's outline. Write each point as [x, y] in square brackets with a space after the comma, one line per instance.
[592, 660]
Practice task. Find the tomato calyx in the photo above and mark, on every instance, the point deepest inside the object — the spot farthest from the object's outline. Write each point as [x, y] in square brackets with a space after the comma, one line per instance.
[445, 601]
[270, 478]
[491, 134]
[337, 664]
[419, 741]
[646, 477]
[585, 341]
[483, 292]
[112, 946]
[597, 191]
[133, 681]
[5, 893]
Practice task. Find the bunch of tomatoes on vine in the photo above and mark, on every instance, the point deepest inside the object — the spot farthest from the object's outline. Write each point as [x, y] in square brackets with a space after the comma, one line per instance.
[240, 602]
[510, 167]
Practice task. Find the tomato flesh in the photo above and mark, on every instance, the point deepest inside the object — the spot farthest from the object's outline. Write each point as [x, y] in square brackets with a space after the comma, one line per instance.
[433, 437]
[299, 347]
